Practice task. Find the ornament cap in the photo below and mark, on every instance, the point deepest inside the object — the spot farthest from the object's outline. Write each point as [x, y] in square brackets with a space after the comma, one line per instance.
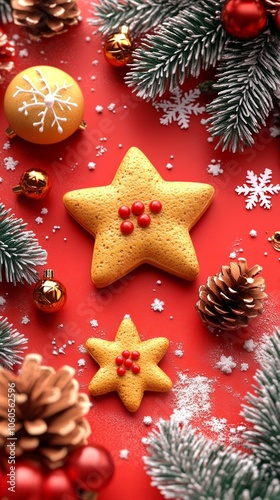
[124, 30]
[83, 125]
[10, 132]
[48, 274]
[17, 189]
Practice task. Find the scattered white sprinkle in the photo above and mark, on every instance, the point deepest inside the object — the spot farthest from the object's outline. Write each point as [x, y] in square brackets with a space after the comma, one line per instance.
[249, 345]
[2, 301]
[93, 77]
[192, 396]
[82, 349]
[79, 78]
[210, 139]
[217, 424]
[10, 163]
[44, 211]
[169, 166]
[87, 39]
[120, 145]
[81, 362]
[6, 145]
[55, 228]
[203, 121]
[179, 352]
[98, 108]
[265, 254]
[93, 323]
[147, 420]
[25, 320]
[91, 165]
[1, 180]
[23, 53]
[233, 255]
[95, 62]
[226, 364]
[39, 220]
[112, 107]
[244, 367]
[158, 282]
[253, 233]
[157, 305]
[127, 316]
[124, 454]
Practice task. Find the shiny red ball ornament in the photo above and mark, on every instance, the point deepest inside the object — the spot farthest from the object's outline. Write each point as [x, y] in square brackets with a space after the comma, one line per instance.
[23, 481]
[277, 19]
[244, 19]
[57, 485]
[90, 467]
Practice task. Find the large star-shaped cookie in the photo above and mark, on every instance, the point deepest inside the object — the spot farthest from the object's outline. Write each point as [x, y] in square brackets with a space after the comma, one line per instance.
[128, 365]
[140, 218]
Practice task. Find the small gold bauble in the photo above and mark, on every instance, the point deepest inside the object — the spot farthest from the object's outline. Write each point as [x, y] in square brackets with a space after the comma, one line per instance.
[49, 295]
[34, 184]
[275, 239]
[118, 48]
[43, 105]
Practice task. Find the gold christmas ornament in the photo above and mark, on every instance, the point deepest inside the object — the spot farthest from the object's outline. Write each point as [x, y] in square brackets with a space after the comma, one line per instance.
[275, 239]
[43, 105]
[49, 294]
[118, 48]
[34, 184]
[233, 297]
[45, 18]
[48, 412]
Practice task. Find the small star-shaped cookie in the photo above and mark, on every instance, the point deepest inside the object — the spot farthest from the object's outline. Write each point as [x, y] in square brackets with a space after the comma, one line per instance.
[128, 365]
[140, 218]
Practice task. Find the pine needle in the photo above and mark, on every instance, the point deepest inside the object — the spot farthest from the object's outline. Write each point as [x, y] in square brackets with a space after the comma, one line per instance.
[12, 344]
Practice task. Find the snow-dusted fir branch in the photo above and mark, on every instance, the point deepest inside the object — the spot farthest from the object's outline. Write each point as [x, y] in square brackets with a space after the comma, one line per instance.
[20, 251]
[5, 12]
[180, 47]
[12, 344]
[139, 16]
[263, 410]
[246, 84]
[187, 466]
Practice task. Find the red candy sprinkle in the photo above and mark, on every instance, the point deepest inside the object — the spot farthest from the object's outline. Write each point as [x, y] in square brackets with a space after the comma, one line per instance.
[137, 208]
[135, 355]
[144, 220]
[121, 371]
[124, 212]
[155, 206]
[128, 363]
[125, 354]
[119, 360]
[127, 227]
[135, 369]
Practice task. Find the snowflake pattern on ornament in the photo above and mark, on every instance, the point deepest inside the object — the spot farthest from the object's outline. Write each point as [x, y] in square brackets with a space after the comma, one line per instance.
[180, 107]
[259, 190]
[45, 98]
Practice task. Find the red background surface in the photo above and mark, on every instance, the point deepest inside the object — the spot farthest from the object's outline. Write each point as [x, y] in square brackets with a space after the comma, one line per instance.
[223, 228]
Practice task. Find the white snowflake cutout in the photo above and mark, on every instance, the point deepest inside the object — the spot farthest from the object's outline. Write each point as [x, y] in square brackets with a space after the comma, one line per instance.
[180, 107]
[259, 190]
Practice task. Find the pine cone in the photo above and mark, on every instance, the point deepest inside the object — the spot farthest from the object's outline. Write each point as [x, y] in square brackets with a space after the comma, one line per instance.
[272, 5]
[48, 415]
[7, 50]
[45, 18]
[231, 298]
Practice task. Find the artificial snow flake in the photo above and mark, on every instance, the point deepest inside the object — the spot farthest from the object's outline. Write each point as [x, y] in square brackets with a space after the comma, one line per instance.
[45, 99]
[10, 163]
[214, 168]
[249, 345]
[226, 364]
[158, 305]
[124, 454]
[93, 323]
[179, 107]
[259, 190]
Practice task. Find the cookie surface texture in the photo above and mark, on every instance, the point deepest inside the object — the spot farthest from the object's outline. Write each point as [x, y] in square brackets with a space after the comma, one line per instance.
[128, 366]
[140, 218]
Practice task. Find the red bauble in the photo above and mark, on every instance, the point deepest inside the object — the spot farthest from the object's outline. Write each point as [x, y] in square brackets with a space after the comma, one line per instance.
[244, 19]
[21, 481]
[90, 467]
[57, 485]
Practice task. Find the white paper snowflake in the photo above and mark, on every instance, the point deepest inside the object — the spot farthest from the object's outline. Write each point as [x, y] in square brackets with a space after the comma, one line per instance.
[259, 190]
[180, 107]
[226, 364]
[45, 98]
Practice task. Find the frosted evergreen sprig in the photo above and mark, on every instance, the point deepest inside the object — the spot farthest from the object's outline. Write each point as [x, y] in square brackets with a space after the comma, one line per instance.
[189, 466]
[5, 12]
[20, 251]
[12, 344]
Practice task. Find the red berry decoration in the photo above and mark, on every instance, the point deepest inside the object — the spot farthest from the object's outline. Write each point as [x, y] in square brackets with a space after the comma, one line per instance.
[144, 220]
[125, 354]
[121, 371]
[119, 360]
[90, 467]
[58, 485]
[127, 227]
[135, 369]
[124, 212]
[135, 355]
[128, 363]
[138, 208]
[155, 206]
[244, 19]
[22, 482]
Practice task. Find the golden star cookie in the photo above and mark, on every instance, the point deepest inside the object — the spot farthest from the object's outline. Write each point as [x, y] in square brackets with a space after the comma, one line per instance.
[128, 365]
[140, 218]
